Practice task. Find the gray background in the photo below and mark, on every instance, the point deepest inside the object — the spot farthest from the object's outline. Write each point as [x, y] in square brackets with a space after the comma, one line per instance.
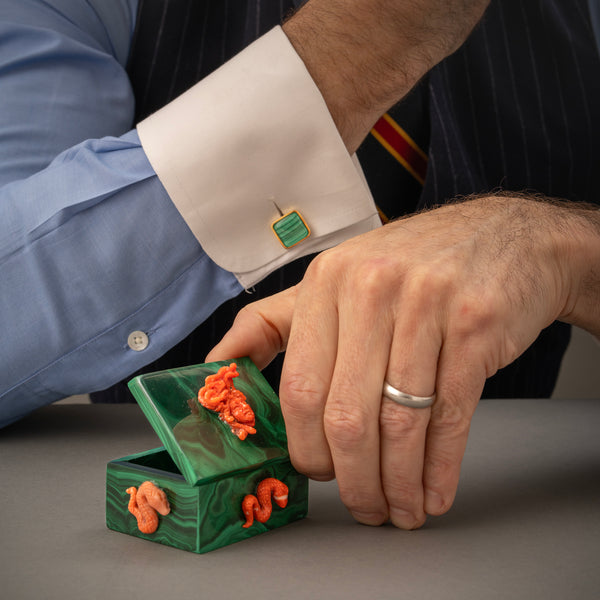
[580, 372]
[525, 524]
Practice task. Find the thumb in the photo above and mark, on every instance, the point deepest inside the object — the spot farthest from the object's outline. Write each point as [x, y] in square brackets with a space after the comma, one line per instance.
[260, 330]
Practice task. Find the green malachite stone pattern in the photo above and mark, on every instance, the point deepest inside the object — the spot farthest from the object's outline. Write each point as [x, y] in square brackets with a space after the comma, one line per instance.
[204, 469]
[204, 517]
[203, 446]
[291, 229]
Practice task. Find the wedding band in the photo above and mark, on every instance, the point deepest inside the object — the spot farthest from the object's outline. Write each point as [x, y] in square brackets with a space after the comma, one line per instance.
[409, 400]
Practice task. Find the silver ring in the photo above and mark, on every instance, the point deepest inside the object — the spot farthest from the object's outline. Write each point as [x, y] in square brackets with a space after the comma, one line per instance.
[409, 400]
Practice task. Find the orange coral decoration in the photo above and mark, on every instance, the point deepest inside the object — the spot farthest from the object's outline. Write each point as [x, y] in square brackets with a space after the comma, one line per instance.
[145, 502]
[259, 507]
[219, 395]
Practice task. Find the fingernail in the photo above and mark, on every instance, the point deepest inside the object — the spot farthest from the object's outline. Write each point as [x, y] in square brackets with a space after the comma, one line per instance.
[404, 519]
[434, 503]
[373, 519]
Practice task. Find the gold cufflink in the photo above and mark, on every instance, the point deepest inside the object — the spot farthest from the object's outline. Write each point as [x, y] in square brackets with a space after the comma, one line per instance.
[290, 229]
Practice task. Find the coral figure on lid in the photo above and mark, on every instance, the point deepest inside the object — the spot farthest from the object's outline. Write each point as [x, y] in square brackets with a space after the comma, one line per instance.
[145, 502]
[220, 395]
[259, 507]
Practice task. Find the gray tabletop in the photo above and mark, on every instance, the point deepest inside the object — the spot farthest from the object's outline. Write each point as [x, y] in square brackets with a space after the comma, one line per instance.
[525, 524]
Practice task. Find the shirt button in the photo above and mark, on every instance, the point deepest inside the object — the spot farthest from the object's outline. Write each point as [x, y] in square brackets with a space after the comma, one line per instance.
[138, 341]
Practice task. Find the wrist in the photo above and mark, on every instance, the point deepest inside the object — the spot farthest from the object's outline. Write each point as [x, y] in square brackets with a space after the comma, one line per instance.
[582, 305]
[346, 67]
[365, 55]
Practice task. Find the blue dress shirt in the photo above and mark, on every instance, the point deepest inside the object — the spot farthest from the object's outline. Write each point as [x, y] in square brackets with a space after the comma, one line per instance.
[108, 254]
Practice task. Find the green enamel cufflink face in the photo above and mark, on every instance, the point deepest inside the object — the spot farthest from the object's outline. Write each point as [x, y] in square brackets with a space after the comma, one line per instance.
[290, 229]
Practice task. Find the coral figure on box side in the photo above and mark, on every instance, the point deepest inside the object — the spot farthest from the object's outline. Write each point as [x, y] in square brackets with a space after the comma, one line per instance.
[144, 504]
[220, 395]
[259, 507]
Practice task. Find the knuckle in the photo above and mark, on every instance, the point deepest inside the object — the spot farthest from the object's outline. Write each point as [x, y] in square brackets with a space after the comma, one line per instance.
[433, 279]
[425, 286]
[373, 271]
[324, 264]
[395, 421]
[319, 469]
[367, 275]
[450, 420]
[248, 310]
[301, 395]
[401, 493]
[439, 467]
[252, 318]
[248, 313]
[473, 316]
[345, 424]
[357, 500]
[375, 280]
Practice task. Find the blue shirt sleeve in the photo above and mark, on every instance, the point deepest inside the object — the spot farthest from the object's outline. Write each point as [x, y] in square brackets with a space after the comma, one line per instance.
[91, 246]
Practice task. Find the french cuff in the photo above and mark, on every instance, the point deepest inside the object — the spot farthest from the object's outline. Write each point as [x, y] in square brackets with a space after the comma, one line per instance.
[252, 160]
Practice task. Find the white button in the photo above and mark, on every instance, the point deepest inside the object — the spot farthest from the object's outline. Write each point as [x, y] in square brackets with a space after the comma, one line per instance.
[138, 341]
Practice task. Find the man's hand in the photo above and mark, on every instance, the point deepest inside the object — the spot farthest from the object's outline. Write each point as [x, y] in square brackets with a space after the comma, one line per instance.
[433, 303]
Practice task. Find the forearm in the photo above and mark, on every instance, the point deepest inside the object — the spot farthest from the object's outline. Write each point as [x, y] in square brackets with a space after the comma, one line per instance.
[91, 246]
[84, 262]
[365, 55]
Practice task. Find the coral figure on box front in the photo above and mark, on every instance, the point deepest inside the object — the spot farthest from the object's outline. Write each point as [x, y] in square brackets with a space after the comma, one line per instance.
[219, 395]
[259, 507]
[144, 504]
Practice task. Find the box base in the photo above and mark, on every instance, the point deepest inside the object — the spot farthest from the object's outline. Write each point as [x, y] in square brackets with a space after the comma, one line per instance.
[203, 517]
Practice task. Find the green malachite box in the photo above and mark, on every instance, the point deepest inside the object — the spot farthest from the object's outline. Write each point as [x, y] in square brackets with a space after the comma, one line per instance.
[204, 469]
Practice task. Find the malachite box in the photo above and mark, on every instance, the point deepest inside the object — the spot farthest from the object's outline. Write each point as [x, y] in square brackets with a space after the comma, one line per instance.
[204, 469]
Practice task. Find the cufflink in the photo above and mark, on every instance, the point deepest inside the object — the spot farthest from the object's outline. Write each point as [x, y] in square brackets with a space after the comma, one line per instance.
[290, 229]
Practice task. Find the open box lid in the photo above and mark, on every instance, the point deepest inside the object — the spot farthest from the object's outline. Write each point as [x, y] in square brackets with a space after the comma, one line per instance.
[202, 446]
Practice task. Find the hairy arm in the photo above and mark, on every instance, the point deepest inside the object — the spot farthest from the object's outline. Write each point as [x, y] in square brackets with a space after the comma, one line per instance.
[365, 55]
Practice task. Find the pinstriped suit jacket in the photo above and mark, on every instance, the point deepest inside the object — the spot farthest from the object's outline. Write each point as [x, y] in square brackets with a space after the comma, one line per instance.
[516, 108]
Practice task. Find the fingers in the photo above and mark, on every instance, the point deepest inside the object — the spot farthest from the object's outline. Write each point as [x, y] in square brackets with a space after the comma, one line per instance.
[260, 330]
[412, 303]
[422, 449]
[389, 460]
[460, 383]
[305, 378]
[351, 418]
[403, 429]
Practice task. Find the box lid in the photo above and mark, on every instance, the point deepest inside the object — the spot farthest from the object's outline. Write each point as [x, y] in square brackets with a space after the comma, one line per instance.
[203, 446]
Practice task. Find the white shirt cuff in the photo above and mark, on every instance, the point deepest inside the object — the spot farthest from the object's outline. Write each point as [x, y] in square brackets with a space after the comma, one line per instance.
[252, 139]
